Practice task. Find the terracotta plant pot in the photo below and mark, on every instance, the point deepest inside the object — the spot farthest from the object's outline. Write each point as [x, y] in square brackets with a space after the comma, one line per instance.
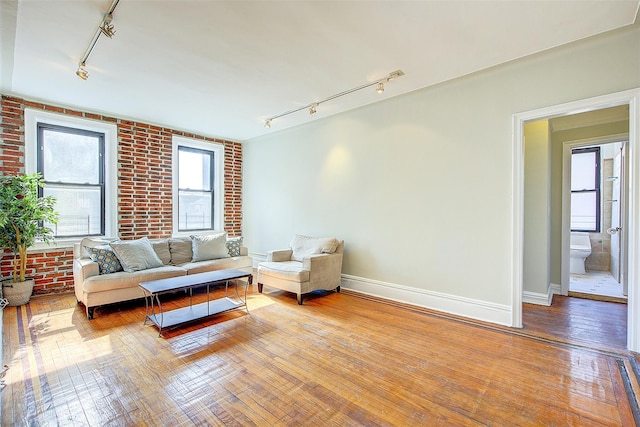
[17, 293]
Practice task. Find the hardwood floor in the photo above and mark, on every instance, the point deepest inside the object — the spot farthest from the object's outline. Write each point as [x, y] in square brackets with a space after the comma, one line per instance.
[579, 321]
[337, 360]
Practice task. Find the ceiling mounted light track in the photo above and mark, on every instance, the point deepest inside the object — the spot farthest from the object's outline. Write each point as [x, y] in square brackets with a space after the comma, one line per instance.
[105, 28]
[314, 105]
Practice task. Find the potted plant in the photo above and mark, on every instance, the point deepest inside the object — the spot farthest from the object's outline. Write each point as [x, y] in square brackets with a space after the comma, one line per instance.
[23, 219]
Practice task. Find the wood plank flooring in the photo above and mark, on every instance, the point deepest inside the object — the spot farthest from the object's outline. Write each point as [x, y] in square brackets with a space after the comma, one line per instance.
[338, 360]
[579, 321]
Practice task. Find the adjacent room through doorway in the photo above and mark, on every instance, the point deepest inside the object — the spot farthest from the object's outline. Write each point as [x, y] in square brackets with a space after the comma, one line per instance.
[603, 128]
[596, 206]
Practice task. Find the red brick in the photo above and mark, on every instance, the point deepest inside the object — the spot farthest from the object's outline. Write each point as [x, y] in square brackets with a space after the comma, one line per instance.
[144, 181]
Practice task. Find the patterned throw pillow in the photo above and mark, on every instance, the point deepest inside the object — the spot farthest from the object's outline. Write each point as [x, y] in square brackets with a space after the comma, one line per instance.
[233, 246]
[106, 259]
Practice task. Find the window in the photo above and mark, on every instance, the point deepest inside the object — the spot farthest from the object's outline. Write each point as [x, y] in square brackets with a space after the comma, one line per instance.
[71, 162]
[197, 185]
[585, 189]
[77, 159]
[195, 197]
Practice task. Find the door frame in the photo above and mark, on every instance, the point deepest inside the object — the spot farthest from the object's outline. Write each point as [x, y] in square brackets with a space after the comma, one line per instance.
[629, 97]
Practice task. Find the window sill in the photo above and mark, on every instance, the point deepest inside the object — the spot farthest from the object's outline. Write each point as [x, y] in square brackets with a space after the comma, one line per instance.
[55, 244]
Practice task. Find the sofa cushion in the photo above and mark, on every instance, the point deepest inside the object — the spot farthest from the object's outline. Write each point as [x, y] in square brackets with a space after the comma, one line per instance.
[122, 279]
[106, 259]
[234, 245]
[241, 263]
[209, 247]
[92, 242]
[304, 246]
[287, 270]
[181, 250]
[161, 247]
[136, 255]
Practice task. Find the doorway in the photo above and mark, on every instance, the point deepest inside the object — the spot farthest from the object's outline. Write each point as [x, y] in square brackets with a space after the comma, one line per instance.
[632, 212]
[596, 192]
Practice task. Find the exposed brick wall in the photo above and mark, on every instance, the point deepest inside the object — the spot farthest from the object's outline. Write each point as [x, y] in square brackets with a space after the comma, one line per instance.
[233, 188]
[12, 136]
[144, 180]
[144, 185]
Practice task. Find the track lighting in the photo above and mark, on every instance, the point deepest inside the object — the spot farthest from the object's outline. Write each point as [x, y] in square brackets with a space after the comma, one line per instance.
[105, 28]
[82, 72]
[313, 106]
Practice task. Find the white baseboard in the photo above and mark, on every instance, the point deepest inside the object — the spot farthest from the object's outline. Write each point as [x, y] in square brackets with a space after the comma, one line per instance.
[537, 298]
[257, 258]
[556, 289]
[453, 304]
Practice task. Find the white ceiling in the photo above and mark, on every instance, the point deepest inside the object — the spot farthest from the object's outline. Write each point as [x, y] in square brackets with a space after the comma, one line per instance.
[219, 68]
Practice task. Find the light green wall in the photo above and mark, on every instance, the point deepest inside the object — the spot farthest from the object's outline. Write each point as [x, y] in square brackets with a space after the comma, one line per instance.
[420, 185]
[537, 206]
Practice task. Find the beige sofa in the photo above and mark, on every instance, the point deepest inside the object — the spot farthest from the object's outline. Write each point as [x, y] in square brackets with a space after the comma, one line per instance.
[309, 264]
[95, 287]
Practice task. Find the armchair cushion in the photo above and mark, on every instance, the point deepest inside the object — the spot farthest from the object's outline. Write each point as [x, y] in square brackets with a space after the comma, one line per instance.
[287, 270]
[304, 246]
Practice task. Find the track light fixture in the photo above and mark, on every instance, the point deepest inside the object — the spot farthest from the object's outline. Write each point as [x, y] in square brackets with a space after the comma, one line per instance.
[105, 28]
[313, 106]
[82, 72]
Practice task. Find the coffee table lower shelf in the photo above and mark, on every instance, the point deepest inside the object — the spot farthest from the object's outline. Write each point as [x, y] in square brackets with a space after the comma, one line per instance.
[231, 278]
[178, 316]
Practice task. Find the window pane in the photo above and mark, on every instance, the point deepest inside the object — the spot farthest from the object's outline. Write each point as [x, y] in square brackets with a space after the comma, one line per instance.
[194, 170]
[583, 171]
[194, 211]
[71, 158]
[583, 211]
[78, 210]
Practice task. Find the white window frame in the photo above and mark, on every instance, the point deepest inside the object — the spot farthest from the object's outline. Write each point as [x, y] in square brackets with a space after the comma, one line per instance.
[31, 119]
[218, 182]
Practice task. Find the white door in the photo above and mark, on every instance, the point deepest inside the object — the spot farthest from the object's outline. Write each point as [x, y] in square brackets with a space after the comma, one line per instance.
[622, 234]
[615, 217]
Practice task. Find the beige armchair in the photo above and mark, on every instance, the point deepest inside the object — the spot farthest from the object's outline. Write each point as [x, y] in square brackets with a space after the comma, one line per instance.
[310, 263]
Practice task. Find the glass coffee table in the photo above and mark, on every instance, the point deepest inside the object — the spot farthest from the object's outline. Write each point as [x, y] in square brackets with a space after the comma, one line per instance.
[234, 298]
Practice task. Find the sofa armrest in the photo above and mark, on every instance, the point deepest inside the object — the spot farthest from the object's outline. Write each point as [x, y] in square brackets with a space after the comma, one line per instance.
[279, 255]
[82, 269]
